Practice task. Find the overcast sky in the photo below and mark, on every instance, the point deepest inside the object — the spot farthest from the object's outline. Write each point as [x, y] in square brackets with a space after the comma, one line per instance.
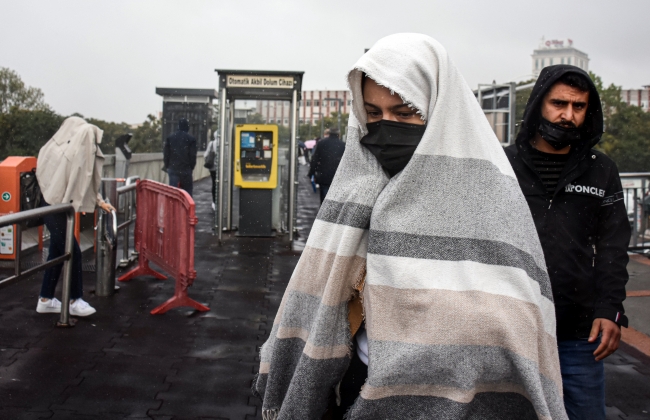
[104, 59]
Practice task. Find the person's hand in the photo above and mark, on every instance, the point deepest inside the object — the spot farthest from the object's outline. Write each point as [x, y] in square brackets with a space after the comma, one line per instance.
[610, 335]
[107, 207]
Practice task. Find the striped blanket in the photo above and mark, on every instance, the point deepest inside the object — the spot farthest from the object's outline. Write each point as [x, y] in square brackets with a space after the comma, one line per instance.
[458, 305]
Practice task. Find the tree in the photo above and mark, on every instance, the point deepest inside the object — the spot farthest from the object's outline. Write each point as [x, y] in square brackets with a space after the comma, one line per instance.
[111, 131]
[14, 93]
[627, 130]
[146, 138]
[24, 132]
[627, 138]
[256, 118]
[610, 96]
[521, 101]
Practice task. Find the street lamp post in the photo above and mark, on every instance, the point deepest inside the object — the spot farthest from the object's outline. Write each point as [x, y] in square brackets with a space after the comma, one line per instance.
[321, 123]
[338, 119]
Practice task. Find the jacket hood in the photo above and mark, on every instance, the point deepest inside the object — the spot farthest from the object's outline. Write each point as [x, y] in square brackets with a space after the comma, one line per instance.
[593, 125]
[184, 125]
[76, 126]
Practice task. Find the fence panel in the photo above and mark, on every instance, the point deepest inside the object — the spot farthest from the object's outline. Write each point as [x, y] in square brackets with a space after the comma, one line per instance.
[164, 235]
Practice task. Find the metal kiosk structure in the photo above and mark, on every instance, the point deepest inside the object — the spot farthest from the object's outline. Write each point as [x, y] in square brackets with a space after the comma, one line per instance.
[254, 85]
[193, 104]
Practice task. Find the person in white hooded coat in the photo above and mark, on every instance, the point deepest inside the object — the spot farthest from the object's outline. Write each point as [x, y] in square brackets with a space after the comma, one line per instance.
[426, 218]
[69, 170]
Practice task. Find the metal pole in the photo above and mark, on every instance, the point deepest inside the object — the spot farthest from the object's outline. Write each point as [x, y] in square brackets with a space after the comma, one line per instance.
[635, 229]
[64, 321]
[512, 123]
[19, 245]
[339, 118]
[125, 240]
[106, 255]
[231, 155]
[222, 142]
[292, 165]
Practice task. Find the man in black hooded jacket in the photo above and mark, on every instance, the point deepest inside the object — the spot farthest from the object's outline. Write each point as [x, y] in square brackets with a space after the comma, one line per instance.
[325, 161]
[576, 199]
[179, 156]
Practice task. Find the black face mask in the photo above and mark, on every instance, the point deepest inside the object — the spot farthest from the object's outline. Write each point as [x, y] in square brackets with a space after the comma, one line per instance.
[557, 136]
[393, 143]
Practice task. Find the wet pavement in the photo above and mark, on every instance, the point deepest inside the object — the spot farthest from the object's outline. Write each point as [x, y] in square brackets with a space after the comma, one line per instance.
[124, 363]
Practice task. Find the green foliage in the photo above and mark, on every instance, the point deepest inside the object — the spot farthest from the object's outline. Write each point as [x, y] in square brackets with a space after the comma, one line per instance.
[14, 93]
[255, 119]
[111, 131]
[23, 132]
[627, 138]
[27, 123]
[309, 131]
[146, 138]
[627, 130]
[521, 100]
[610, 96]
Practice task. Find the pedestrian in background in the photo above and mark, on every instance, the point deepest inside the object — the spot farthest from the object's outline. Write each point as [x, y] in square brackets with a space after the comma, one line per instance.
[425, 217]
[325, 160]
[575, 196]
[179, 156]
[69, 170]
[210, 163]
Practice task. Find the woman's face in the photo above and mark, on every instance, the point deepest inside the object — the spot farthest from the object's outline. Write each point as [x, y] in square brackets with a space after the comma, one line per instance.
[381, 105]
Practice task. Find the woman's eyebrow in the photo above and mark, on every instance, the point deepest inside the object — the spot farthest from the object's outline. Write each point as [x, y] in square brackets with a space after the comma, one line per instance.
[401, 107]
[370, 105]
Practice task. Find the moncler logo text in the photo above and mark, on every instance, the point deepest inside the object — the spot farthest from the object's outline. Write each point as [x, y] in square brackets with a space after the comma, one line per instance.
[584, 189]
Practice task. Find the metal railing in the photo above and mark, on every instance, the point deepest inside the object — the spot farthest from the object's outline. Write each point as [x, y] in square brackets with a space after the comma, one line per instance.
[636, 193]
[17, 219]
[129, 218]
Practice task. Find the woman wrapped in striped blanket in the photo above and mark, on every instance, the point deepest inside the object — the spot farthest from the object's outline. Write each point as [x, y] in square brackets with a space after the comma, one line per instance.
[426, 212]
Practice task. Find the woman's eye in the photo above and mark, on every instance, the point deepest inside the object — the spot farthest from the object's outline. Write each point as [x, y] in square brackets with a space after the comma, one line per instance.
[406, 115]
[374, 114]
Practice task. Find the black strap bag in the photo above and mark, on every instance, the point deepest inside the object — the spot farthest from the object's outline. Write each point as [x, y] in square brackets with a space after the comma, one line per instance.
[30, 196]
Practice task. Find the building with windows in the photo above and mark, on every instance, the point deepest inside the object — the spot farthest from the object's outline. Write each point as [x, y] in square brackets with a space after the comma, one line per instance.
[551, 52]
[637, 97]
[314, 105]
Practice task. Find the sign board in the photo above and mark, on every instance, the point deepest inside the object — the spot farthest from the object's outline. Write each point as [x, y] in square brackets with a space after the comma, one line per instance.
[253, 81]
[632, 182]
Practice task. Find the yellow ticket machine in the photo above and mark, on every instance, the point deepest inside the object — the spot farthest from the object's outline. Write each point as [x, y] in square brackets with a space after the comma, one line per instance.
[256, 174]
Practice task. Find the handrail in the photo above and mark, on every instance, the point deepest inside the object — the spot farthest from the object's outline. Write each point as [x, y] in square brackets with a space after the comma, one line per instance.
[129, 215]
[114, 223]
[126, 188]
[66, 258]
[131, 180]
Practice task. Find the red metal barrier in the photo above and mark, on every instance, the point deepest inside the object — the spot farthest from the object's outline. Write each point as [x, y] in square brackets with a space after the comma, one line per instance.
[164, 235]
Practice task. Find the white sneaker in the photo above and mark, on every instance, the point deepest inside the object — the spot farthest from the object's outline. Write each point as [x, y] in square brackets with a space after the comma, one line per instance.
[50, 306]
[213, 207]
[81, 308]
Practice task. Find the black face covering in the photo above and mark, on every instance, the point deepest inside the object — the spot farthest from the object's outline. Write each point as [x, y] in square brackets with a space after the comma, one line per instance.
[557, 136]
[393, 143]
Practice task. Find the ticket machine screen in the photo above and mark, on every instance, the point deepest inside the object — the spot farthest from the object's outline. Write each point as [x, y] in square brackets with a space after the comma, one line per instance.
[256, 150]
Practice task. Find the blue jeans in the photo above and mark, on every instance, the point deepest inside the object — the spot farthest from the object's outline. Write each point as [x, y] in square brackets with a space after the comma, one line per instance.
[181, 180]
[583, 379]
[56, 224]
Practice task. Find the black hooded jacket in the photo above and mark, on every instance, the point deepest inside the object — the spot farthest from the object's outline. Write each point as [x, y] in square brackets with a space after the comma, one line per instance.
[179, 152]
[583, 225]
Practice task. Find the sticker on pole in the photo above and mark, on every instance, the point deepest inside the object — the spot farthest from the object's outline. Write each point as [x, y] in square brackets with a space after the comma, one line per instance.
[6, 196]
